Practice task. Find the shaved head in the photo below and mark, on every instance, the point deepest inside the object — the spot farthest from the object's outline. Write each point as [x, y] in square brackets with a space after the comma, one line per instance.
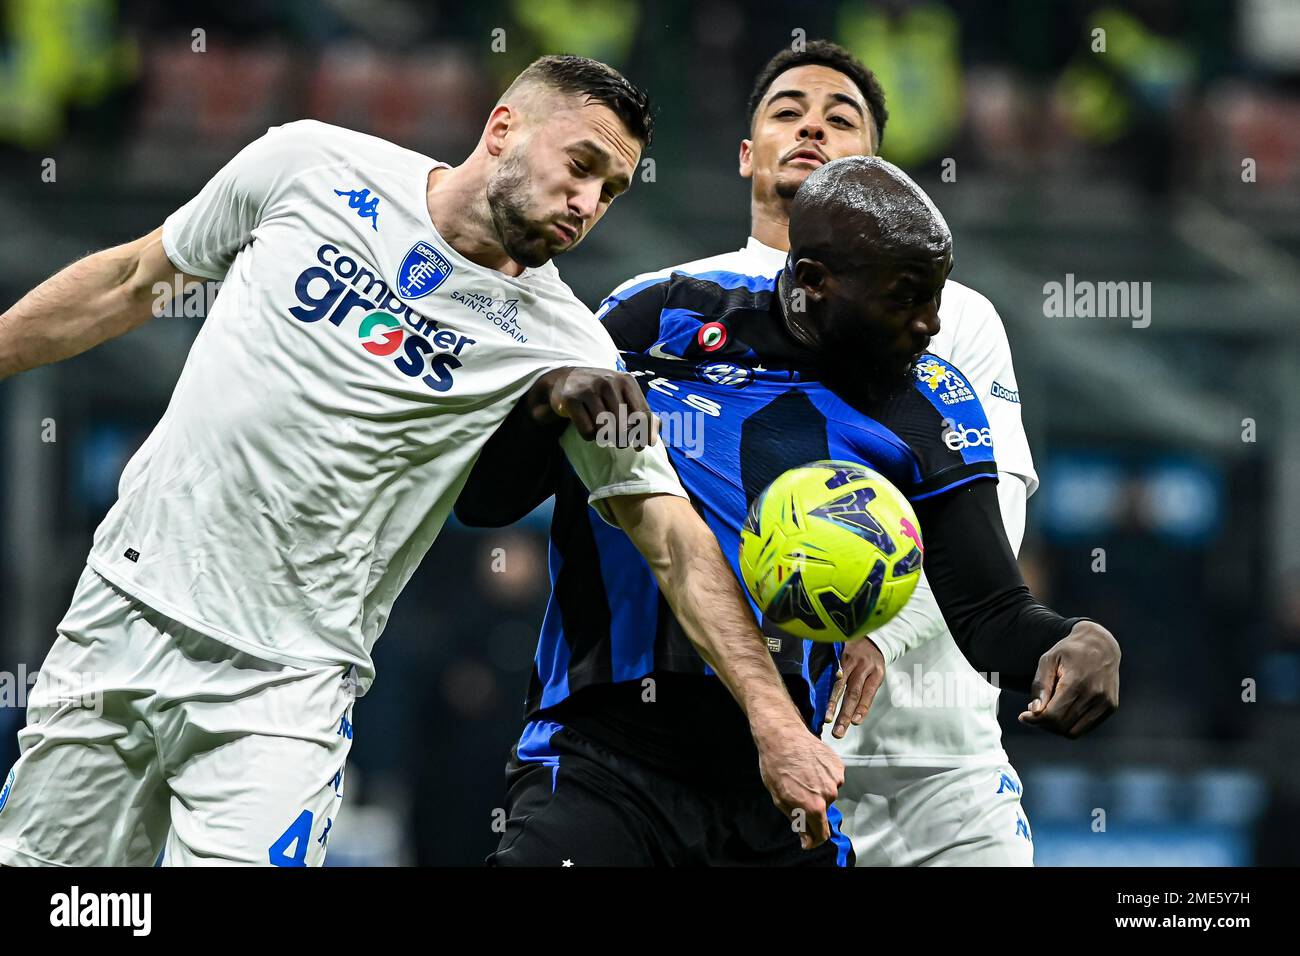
[861, 209]
[869, 255]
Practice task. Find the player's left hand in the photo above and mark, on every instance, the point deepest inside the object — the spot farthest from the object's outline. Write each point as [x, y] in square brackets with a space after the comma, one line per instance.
[862, 670]
[1077, 683]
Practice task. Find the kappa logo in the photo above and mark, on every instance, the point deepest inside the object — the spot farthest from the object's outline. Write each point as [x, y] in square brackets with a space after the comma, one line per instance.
[422, 271]
[366, 207]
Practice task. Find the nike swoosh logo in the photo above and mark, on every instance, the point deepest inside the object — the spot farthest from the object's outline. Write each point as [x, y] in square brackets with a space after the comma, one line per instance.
[657, 351]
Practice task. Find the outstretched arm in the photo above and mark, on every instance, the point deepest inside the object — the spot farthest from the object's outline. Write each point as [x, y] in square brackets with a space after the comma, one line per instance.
[95, 299]
[1070, 666]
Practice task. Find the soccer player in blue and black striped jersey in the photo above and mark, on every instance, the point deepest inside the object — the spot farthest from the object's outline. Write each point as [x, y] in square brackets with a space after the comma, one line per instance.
[633, 752]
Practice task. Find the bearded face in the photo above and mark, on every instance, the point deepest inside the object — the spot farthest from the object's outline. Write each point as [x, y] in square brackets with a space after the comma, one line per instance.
[522, 232]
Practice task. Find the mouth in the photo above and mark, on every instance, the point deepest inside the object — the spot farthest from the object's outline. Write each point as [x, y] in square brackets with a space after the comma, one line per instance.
[806, 156]
[916, 347]
[567, 234]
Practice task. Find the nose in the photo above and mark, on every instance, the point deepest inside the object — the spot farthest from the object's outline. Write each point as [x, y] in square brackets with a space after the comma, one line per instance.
[584, 203]
[812, 129]
[926, 321]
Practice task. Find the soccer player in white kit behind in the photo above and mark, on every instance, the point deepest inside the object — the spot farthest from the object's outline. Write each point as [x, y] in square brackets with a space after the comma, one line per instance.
[381, 314]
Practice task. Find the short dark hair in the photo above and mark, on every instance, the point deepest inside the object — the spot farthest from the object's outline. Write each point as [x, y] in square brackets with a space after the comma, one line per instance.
[583, 76]
[828, 54]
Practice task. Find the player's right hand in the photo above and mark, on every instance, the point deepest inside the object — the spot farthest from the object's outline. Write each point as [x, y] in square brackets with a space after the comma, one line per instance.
[602, 404]
[1077, 683]
[803, 776]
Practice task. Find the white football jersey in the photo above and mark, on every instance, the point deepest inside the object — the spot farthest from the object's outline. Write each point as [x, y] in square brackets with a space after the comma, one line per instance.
[335, 400]
[934, 709]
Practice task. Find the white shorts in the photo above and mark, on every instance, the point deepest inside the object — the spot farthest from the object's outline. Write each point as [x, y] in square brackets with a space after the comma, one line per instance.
[144, 737]
[935, 816]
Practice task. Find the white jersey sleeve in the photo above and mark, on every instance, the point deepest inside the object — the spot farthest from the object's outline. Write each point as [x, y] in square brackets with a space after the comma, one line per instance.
[977, 344]
[607, 471]
[1012, 493]
[203, 237]
[610, 472]
[919, 621]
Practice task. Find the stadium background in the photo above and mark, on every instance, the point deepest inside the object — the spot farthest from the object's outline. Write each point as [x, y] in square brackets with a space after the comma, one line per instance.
[1171, 158]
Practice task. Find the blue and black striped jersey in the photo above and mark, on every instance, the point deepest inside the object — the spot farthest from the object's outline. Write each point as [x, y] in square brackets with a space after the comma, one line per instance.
[740, 404]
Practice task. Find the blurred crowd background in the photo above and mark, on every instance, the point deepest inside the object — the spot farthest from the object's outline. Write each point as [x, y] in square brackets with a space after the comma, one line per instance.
[1172, 158]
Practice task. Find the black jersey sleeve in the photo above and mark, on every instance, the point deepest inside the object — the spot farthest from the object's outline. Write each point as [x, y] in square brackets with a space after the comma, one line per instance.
[515, 472]
[994, 619]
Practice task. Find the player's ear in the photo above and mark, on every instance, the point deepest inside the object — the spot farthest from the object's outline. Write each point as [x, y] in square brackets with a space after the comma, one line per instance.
[499, 124]
[746, 159]
[812, 277]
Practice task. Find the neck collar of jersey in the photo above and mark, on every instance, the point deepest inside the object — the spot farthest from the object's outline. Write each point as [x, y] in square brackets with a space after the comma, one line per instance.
[765, 253]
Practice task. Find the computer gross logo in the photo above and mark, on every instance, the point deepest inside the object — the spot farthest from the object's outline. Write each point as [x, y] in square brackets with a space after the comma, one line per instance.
[387, 326]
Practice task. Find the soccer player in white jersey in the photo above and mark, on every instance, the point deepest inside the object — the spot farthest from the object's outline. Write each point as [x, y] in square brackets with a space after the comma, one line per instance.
[926, 779]
[381, 314]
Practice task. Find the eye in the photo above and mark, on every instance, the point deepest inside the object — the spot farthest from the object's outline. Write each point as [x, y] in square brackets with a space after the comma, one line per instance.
[579, 167]
[783, 114]
[842, 121]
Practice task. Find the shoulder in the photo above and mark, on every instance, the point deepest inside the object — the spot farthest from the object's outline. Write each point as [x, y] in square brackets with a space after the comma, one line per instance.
[945, 426]
[547, 278]
[965, 304]
[576, 325]
[972, 337]
[971, 333]
[945, 388]
[941, 400]
[313, 143]
[729, 270]
[326, 134]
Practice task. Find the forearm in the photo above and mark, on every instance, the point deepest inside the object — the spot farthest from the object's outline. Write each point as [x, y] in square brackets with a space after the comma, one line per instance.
[94, 299]
[995, 621]
[704, 595]
[1007, 638]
